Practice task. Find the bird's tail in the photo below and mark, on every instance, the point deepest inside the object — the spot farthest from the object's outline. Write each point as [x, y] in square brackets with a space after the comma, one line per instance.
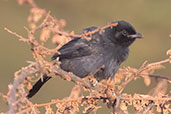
[38, 85]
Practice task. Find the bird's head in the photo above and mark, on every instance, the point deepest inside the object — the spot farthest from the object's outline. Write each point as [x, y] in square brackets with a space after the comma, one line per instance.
[124, 34]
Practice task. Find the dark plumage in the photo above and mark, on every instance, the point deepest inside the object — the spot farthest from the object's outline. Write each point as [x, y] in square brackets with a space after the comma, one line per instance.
[108, 48]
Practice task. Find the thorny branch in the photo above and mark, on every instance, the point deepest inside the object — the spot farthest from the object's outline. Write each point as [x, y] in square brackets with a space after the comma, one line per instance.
[109, 92]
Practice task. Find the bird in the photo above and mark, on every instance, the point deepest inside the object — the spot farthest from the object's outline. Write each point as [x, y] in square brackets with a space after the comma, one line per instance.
[108, 47]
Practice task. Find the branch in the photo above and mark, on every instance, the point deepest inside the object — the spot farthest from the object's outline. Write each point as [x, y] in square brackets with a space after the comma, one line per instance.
[19, 78]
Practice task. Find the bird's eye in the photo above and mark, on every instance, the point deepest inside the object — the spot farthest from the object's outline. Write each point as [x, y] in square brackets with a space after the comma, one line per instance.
[124, 32]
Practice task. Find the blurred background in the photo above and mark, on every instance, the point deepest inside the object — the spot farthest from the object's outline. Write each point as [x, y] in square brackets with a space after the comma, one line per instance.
[152, 18]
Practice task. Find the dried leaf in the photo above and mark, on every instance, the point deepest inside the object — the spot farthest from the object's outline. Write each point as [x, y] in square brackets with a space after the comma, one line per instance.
[45, 34]
[21, 2]
[29, 86]
[147, 80]
[49, 110]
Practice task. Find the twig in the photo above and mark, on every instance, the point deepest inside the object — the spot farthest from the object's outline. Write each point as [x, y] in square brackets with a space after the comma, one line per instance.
[148, 108]
[79, 99]
[148, 98]
[159, 76]
[21, 38]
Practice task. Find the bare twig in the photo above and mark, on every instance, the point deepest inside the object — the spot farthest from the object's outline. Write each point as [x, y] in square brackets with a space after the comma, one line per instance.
[21, 38]
[159, 76]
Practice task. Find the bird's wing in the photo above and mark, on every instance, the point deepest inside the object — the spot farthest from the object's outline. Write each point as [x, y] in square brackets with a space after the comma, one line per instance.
[77, 47]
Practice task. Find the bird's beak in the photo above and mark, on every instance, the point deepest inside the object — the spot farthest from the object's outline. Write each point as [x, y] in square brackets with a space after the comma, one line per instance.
[137, 35]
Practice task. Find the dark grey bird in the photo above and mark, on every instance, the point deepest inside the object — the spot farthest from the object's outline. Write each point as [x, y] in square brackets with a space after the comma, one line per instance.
[107, 48]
